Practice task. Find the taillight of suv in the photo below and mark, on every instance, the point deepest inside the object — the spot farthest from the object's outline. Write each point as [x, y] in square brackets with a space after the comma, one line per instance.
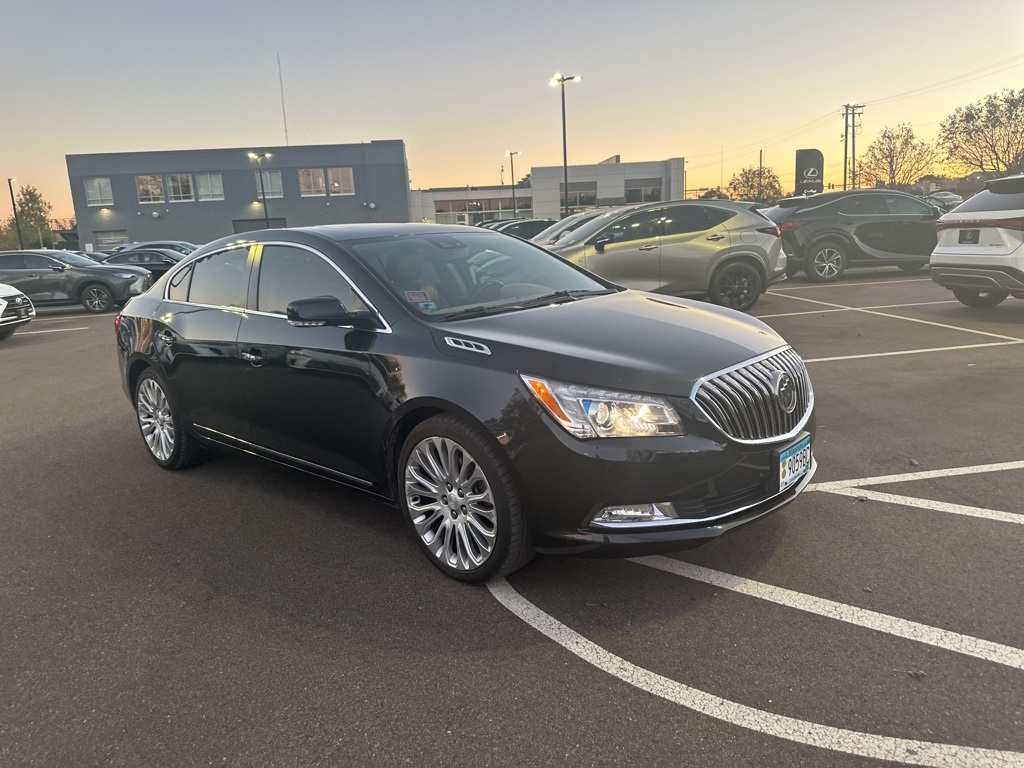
[789, 226]
[1014, 223]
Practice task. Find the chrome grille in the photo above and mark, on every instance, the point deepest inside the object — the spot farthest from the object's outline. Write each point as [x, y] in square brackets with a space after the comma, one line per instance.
[740, 401]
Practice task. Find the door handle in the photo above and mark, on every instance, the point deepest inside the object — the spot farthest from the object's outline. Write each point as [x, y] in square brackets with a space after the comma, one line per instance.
[715, 238]
[650, 247]
[254, 358]
[166, 337]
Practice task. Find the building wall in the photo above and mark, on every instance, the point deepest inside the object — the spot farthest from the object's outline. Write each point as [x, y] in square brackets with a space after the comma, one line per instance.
[610, 179]
[469, 205]
[379, 169]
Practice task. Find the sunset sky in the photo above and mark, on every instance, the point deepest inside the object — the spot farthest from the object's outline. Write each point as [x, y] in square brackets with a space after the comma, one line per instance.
[462, 82]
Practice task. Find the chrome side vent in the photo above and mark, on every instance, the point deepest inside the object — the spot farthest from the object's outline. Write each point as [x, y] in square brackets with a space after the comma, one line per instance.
[469, 346]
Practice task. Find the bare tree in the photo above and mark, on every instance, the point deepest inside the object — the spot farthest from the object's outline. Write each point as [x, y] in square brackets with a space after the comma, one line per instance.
[987, 135]
[754, 183]
[897, 158]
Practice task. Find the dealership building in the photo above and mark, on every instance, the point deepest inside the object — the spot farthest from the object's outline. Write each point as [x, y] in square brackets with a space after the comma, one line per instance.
[200, 195]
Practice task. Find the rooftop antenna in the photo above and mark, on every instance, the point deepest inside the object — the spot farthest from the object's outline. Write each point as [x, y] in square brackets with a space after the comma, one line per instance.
[284, 115]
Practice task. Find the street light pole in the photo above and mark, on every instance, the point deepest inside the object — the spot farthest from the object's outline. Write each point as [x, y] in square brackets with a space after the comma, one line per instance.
[561, 80]
[512, 160]
[259, 158]
[17, 222]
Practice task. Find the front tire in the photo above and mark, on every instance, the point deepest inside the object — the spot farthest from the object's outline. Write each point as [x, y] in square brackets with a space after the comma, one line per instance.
[737, 285]
[461, 499]
[972, 297]
[826, 262]
[96, 297]
[166, 439]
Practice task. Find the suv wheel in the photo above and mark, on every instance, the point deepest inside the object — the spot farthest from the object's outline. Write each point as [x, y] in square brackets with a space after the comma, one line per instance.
[461, 499]
[736, 285]
[96, 297]
[972, 297]
[825, 262]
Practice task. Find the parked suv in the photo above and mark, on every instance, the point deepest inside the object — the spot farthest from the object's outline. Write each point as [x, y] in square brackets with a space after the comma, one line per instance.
[863, 227]
[713, 248]
[15, 310]
[60, 277]
[980, 250]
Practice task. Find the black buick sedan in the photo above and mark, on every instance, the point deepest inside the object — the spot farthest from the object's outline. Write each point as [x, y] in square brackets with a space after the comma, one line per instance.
[507, 401]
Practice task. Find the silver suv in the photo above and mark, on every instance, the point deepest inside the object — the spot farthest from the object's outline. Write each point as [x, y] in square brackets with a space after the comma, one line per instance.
[702, 248]
[980, 252]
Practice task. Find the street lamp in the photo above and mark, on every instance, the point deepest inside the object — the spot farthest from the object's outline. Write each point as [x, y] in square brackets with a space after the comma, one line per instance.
[561, 80]
[259, 158]
[512, 159]
[17, 223]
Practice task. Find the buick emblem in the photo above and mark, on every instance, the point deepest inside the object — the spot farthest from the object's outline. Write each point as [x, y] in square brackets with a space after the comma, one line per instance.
[784, 390]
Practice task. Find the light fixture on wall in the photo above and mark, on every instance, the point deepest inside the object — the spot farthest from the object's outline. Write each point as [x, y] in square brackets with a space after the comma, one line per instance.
[155, 214]
[371, 206]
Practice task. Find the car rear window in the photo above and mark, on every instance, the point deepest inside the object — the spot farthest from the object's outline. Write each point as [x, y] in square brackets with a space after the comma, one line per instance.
[999, 195]
[780, 212]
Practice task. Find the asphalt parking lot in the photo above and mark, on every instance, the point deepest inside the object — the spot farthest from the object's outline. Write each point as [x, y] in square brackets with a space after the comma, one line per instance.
[240, 613]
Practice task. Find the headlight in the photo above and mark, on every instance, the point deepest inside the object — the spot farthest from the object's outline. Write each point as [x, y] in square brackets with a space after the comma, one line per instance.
[128, 276]
[587, 412]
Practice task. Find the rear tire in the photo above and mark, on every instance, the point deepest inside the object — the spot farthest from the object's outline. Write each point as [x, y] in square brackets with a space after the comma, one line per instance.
[168, 442]
[737, 285]
[825, 262]
[972, 297]
[462, 501]
[96, 297]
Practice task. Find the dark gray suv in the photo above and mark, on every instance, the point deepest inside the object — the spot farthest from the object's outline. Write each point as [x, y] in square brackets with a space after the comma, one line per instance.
[60, 277]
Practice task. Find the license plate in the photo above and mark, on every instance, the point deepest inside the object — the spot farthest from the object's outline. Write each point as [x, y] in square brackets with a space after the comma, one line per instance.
[970, 236]
[22, 313]
[794, 462]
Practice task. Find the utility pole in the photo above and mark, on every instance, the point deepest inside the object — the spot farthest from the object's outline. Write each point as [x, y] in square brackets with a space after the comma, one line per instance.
[850, 115]
[14, 207]
[760, 175]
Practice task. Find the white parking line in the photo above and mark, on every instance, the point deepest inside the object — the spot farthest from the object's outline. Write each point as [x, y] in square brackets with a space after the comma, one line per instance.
[937, 506]
[911, 351]
[54, 330]
[70, 319]
[926, 474]
[850, 309]
[880, 622]
[906, 751]
[853, 285]
[908, 319]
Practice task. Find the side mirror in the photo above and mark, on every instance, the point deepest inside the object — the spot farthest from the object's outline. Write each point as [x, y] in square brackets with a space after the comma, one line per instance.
[169, 260]
[327, 310]
[601, 240]
[58, 267]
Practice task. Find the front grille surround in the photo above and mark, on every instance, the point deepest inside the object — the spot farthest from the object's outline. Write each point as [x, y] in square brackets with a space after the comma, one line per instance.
[739, 400]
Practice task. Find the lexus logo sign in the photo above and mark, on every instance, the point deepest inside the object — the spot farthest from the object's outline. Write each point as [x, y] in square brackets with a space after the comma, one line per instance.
[810, 165]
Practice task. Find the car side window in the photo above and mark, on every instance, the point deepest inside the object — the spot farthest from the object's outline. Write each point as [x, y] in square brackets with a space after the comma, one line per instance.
[177, 288]
[687, 218]
[220, 279]
[13, 261]
[639, 226]
[862, 205]
[120, 259]
[35, 261]
[898, 204]
[288, 274]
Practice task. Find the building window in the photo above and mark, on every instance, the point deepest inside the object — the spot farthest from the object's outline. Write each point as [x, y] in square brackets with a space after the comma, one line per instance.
[97, 192]
[108, 237]
[181, 187]
[210, 186]
[151, 188]
[342, 182]
[582, 194]
[311, 182]
[271, 184]
[643, 190]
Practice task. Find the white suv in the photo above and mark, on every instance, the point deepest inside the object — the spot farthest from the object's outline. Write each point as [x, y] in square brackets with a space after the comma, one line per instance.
[980, 251]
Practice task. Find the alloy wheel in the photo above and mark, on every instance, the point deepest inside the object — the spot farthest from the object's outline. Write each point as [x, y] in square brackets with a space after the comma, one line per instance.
[155, 419]
[451, 503]
[738, 287]
[828, 262]
[96, 299]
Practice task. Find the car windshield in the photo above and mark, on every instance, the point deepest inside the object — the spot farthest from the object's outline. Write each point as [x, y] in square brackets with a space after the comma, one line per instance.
[590, 227]
[563, 227]
[470, 272]
[75, 260]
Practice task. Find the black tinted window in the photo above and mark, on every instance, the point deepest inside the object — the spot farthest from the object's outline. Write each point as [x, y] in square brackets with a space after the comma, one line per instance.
[288, 274]
[903, 204]
[220, 279]
[687, 218]
[862, 205]
[35, 261]
[177, 288]
[1002, 195]
[639, 226]
[121, 258]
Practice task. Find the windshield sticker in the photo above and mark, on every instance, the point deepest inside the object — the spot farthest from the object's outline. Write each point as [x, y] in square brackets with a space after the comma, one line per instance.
[427, 306]
[411, 296]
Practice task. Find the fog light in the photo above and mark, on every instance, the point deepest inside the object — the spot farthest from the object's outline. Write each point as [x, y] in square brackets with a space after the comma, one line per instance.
[663, 511]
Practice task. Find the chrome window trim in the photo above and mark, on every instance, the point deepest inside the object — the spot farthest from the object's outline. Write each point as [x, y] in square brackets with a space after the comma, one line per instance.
[184, 264]
[779, 438]
[671, 524]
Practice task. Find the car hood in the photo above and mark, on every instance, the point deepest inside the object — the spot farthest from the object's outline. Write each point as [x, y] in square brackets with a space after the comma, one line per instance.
[8, 290]
[631, 340]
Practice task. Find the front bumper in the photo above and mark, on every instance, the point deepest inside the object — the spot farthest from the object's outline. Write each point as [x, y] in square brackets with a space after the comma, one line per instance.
[983, 278]
[714, 482]
[14, 313]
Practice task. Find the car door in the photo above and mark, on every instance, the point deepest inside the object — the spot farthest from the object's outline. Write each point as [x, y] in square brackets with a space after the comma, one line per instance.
[196, 341]
[866, 218]
[913, 224]
[309, 391]
[692, 240]
[38, 277]
[628, 251]
[14, 271]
